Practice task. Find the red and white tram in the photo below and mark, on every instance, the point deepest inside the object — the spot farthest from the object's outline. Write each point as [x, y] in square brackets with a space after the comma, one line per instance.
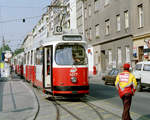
[58, 65]
[17, 64]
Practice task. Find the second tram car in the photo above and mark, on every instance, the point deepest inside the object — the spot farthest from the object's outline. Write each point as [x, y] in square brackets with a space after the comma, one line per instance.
[17, 64]
[58, 65]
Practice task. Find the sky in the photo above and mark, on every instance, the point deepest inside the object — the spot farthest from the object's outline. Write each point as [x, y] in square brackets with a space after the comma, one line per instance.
[11, 14]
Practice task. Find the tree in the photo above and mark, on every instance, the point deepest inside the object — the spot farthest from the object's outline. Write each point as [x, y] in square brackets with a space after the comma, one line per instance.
[4, 48]
[18, 51]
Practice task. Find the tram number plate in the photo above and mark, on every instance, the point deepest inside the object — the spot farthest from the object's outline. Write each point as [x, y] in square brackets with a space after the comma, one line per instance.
[74, 92]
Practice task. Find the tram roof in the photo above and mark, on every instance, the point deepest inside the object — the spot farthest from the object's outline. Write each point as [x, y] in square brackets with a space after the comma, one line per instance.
[52, 42]
[54, 39]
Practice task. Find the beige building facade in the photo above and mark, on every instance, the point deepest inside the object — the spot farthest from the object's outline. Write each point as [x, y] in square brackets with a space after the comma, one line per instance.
[118, 31]
[141, 31]
[109, 33]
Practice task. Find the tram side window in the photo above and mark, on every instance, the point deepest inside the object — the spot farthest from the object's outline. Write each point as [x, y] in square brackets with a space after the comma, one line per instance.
[39, 57]
[35, 57]
[21, 60]
[31, 57]
[24, 59]
[28, 58]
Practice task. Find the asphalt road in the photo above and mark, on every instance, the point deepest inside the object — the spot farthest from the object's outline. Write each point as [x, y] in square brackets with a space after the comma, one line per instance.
[17, 102]
[107, 93]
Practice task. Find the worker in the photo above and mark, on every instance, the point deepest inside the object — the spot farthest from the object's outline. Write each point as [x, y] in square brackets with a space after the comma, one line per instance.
[126, 84]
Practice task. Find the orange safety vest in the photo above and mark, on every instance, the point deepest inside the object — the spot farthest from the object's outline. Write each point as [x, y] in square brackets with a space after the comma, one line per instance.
[126, 83]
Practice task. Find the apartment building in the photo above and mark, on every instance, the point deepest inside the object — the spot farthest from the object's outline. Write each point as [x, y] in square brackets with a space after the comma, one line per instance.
[141, 33]
[80, 16]
[28, 41]
[108, 30]
[63, 13]
[40, 30]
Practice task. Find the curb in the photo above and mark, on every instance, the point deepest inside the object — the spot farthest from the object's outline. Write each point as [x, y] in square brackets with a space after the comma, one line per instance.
[36, 103]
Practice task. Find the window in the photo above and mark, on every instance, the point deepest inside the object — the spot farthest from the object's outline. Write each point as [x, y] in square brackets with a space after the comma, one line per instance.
[96, 57]
[107, 27]
[28, 58]
[97, 31]
[126, 16]
[146, 67]
[34, 56]
[85, 11]
[31, 58]
[140, 15]
[127, 54]
[96, 5]
[110, 72]
[86, 34]
[107, 2]
[110, 56]
[70, 55]
[79, 21]
[118, 23]
[39, 56]
[138, 67]
[68, 24]
[24, 59]
[90, 34]
[119, 56]
[89, 10]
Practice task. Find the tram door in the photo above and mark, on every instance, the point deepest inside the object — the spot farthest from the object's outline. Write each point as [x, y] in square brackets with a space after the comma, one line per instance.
[47, 67]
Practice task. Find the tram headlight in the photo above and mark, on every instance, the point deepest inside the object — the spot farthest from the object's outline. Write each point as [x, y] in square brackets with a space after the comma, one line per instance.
[73, 79]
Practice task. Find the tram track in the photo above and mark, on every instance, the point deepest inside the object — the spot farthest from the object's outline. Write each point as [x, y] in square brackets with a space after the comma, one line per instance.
[67, 108]
[92, 106]
[93, 98]
[58, 112]
[59, 105]
[62, 105]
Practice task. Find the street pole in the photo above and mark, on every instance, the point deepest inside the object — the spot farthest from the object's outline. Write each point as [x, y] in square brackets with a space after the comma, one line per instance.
[3, 44]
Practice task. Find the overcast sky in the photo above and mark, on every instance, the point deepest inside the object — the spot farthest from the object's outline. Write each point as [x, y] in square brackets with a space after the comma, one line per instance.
[13, 30]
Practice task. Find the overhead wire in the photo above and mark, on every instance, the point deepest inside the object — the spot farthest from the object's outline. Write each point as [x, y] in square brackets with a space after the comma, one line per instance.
[6, 6]
[20, 19]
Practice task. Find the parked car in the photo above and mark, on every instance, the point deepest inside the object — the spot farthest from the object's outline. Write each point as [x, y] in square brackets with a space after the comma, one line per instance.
[142, 73]
[111, 76]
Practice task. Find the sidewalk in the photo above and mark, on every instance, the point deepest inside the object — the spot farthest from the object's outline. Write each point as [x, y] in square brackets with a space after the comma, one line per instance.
[17, 101]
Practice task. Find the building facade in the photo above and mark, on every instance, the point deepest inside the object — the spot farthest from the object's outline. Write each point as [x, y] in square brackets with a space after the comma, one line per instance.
[108, 29]
[80, 16]
[28, 41]
[40, 30]
[63, 13]
[141, 33]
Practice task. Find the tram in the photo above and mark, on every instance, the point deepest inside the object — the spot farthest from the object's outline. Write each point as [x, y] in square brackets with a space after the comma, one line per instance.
[58, 65]
[17, 64]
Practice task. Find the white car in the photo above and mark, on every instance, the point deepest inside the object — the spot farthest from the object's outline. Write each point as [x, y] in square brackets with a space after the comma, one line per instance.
[142, 74]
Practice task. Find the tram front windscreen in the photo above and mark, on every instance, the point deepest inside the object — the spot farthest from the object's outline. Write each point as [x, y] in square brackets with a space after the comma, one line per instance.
[70, 55]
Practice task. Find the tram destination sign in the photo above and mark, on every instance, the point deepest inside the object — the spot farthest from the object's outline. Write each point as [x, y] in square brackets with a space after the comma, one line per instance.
[72, 38]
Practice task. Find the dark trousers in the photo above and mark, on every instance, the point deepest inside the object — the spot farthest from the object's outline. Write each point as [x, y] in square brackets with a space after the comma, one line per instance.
[126, 99]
